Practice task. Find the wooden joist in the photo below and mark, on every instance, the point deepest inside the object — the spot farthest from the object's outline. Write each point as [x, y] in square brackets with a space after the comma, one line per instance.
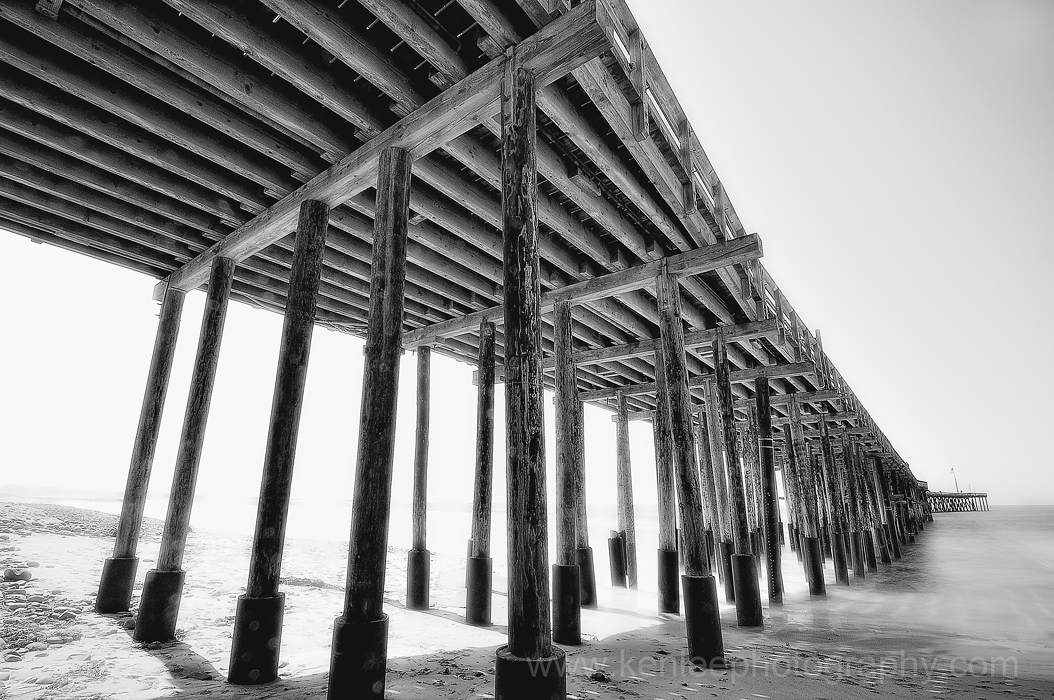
[744, 376]
[438, 121]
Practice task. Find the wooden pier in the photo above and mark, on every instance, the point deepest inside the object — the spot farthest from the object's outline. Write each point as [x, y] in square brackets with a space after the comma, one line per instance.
[510, 184]
[949, 502]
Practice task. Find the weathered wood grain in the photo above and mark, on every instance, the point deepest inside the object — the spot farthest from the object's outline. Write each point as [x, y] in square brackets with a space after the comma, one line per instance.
[371, 504]
[192, 437]
[420, 493]
[568, 462]
[529, 625]
[482, 492]
[265, 566]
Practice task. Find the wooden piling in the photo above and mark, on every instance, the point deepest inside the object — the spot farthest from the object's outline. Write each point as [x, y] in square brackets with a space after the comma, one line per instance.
[586, 570]
[483, 488]
[709, 488]
[258, 617]
[669, 596]
[837, 495]
[479, 567]
[770, 492]
[360, 635]
[118, 577]
[725, 546]
[702, 614]
[566, 583]
[806, 494]
[159, 604]
[624, 489]
[528, 577]
[745, 573]
[418, 559]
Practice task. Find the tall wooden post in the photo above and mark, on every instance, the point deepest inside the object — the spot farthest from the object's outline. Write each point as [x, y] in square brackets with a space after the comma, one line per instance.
[770, 491]
[360, 635]
[744, 565]
[517, 672]
[118, 571]
[163, 587]
[724, 547]
[418, 558]
[258, 618]
[834, 484]
[479, 572]
[855, 508]
[624, 490]
[706, 481]
[798, 459]
[701, 609]
[583, 552]
[887, 505]
[669, 593]
[868, 507]
[567, 614]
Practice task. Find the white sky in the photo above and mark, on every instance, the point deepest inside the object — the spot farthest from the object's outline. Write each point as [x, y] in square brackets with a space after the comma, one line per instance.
[896, 158]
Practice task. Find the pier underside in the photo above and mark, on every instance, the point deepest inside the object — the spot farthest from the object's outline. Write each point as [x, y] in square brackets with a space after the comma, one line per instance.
[510, 184]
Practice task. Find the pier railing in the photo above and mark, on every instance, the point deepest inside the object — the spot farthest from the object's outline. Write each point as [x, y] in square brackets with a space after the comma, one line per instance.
[948, 502]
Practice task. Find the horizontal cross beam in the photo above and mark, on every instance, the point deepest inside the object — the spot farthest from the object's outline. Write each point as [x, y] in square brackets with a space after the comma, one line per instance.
[555, 50]
[696, 339]
[742, 376]
[692, 262]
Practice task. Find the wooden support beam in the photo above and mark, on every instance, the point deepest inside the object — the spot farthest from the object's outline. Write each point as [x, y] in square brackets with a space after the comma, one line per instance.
[528, 587]
[691, 263]
[115, 587]
[435, 123]
[482, 492]
[568, 466]
[162, 590]
[664, 461]
[741, 376]
[266, 563]
[705, 640]
[769, 492]
[258, 618]
[420, 493]
[360, 634]
[687, 477]
[695, 339]
[192, 439]
[737, 500]
[624, 490]
[367, 556]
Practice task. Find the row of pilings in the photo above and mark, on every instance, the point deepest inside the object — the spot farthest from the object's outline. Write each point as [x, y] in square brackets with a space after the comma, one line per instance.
[848, 500]
[943, 502]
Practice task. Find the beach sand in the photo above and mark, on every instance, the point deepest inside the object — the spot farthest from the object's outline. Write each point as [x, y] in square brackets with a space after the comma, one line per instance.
[55, 646]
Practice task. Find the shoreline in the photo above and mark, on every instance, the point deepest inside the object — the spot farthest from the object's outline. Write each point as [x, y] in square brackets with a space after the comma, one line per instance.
[806, 649]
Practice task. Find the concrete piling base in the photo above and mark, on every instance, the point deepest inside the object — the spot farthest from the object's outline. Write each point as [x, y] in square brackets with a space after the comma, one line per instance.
[115, 585]
[669, 592]
[417, 568]
[358, 660]
[518, 678]
[702, 619]
[587, 579]
[479, 574]
[257, 640]
[567, 611]
[159, 606]
[748, 591]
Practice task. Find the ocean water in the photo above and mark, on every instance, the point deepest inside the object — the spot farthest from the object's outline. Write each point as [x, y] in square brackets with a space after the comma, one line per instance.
[971, 583]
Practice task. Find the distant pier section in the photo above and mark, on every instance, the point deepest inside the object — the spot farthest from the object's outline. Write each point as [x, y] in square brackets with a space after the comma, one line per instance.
[948, 502]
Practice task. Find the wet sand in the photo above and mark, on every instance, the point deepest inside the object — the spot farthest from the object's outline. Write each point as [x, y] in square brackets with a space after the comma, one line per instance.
[851, 645]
